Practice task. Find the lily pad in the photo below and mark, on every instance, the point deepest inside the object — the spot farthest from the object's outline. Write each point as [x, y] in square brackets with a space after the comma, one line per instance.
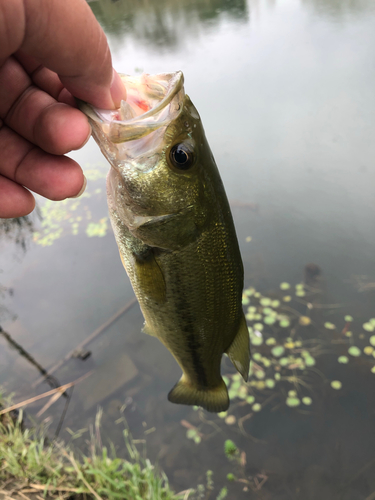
[277, 351]
[369, 327]
[293, 401]
[304, 320]
[336, 384]
[269, 320]
[284, 285]
[307, 401]
[265, 301]
[256, 407]
[343, 359]
[368, 350]
[284, 323]
[271, 341]
[270, 384]
[287, 298]
[354, 351]
[372, 340]
[329, 326]
[348, 318]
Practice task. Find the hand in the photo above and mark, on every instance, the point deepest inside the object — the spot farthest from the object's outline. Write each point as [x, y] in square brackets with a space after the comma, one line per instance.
[50, 51]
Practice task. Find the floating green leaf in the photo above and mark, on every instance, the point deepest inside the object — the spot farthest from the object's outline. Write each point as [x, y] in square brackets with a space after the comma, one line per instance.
[230, 448]
[293, 401]
[343, 359]
[277, 351]
[329, 326]
[354, 351]
[256, 407]
[275, 303]
[250, 399]
[300, 293]
[284, 323]
[368, 350]
[231, 477]
[270, 384]
[373, 369]
[372, 340]
[284, 285]
[258, 326]
[369, 327]
[336, 384]
[277, 376]
[271, 341]
[348, 318]
[269, 320]
[257, 340]
[309, 361]
[267, 310]
[307, 401]
[265, 301]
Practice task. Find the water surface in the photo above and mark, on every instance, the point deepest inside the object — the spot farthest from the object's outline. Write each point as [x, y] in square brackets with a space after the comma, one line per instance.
[285, 92]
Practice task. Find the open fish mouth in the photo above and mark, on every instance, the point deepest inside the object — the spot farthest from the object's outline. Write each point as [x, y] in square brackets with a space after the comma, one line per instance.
[153, 101]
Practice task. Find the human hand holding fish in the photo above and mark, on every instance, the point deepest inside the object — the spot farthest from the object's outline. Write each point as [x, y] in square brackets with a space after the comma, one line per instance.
[50, 51]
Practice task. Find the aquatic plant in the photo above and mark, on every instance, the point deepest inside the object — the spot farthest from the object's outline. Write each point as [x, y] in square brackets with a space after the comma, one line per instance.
[72, 216]
[31, 464]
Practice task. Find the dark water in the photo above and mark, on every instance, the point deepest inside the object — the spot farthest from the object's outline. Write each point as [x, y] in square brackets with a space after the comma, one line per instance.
[285, 90]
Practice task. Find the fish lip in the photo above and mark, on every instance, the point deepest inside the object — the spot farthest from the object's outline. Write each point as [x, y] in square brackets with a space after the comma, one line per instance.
[118, 131]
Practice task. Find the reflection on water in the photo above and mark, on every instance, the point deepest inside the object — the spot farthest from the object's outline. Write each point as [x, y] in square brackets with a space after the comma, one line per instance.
[292, 130]
[340, 9]
[166, 23]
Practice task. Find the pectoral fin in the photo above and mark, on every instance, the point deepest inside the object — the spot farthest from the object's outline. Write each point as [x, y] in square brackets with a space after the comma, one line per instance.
[150, 279]
[239, 350]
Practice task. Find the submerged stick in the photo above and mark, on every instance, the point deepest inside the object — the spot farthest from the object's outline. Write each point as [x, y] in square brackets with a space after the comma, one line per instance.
[51, 381]
[95, 334]
[62, 388]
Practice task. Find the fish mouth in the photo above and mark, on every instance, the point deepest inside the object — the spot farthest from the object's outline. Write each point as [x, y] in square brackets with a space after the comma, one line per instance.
[152, 102]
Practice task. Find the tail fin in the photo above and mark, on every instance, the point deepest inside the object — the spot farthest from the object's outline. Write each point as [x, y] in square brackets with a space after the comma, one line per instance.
[215, 399]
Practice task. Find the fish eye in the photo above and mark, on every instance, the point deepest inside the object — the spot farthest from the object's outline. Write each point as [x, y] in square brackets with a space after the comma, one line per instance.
[181, 156]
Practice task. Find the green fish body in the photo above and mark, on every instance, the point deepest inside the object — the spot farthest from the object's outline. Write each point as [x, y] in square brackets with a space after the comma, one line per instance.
[175, 233]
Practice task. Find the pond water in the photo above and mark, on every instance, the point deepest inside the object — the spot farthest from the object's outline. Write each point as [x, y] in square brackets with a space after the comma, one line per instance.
[285, 90]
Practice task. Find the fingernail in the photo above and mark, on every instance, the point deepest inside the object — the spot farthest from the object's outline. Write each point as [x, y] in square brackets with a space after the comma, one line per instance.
[82, 188]
[118, 90]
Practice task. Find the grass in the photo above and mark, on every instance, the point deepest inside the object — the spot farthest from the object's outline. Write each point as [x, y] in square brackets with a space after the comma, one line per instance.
[31, 466]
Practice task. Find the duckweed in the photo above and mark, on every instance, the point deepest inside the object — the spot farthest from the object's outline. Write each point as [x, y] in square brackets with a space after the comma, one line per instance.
[354, 351]
[336, 384]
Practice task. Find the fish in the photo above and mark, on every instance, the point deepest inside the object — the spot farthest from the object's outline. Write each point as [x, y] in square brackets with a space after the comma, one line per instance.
[175, 233]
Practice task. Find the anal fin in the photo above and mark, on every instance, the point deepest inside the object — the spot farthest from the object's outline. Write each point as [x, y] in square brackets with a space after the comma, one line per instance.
[239, 350]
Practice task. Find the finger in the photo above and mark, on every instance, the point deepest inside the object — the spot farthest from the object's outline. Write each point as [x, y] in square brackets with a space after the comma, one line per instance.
[54, 177]
[34, 114]
[45, 79]
[15, 200]
[77, 49]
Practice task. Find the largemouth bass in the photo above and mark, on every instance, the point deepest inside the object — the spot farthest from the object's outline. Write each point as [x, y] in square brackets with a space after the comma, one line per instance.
[175, 233]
